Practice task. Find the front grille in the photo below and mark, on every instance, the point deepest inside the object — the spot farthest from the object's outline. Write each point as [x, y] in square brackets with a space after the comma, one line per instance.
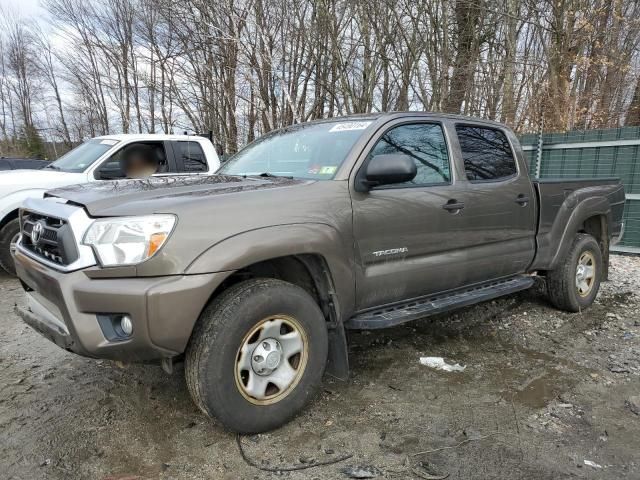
[53, 241]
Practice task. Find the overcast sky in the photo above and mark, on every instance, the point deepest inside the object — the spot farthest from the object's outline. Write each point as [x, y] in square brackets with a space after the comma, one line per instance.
[24, 8]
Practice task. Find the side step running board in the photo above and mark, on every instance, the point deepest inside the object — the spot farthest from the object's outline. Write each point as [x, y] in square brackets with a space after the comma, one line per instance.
[416, 308]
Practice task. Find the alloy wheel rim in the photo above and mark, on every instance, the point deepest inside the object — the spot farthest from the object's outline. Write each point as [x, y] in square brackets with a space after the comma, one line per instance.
[585, 273]
[271, 360]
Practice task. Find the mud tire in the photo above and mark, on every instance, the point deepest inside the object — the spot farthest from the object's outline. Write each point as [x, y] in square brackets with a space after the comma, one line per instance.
[213, 351]
[561, 282]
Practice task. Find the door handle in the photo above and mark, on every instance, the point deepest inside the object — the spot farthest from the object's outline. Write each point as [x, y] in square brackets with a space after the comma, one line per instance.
[523, 200]
[453, 206]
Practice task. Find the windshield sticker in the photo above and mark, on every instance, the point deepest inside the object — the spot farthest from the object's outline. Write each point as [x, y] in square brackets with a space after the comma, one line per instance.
[320, 170]
[109, 142]
[329, 170]
[347, 126]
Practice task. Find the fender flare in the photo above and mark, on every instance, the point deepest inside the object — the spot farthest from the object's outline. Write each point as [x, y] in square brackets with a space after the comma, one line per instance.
[262, 244]
[253, 246]
[555, 244]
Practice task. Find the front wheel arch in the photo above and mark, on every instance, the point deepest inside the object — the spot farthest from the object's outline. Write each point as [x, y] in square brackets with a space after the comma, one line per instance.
[311, 272]
[12, 215]
[8, 234]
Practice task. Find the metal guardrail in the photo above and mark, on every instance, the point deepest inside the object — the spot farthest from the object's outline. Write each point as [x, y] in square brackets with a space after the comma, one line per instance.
[564, 146]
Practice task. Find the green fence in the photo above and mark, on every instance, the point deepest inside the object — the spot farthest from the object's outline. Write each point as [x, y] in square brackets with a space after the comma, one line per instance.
[593, 153]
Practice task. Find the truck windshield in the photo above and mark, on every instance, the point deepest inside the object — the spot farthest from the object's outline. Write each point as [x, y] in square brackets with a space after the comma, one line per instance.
[83, 156]
[313, 151]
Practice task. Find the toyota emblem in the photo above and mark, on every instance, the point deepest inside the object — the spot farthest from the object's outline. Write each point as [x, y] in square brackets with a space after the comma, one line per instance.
[36, 233]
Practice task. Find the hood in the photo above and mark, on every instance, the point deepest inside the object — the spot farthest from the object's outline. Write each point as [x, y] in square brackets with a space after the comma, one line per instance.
[160, 194]
[46, 179]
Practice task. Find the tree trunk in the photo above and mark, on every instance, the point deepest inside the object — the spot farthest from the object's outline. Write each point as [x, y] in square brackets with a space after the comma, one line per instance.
[467, 13]
[633, 116]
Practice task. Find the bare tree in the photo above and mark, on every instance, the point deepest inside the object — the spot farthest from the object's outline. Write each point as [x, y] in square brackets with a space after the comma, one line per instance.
[242, 68]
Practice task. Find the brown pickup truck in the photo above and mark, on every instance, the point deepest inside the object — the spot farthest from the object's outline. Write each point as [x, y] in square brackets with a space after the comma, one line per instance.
[254, 276]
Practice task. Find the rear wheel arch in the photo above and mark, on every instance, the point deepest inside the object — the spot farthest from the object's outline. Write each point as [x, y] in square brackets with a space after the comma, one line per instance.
[598, 227]
[590, 216]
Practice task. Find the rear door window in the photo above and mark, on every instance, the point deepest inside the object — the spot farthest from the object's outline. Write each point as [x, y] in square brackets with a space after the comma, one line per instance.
[486, 153]
[190, 157]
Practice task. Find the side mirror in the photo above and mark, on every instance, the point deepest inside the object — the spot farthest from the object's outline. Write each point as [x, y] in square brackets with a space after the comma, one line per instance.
[110, 171]
[387, 169]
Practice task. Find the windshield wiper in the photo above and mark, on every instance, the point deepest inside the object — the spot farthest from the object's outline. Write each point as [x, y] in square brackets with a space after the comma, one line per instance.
[52, 167]
[271, 175]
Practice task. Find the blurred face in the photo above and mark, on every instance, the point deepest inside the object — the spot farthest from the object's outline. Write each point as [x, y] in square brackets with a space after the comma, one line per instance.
[139, 167]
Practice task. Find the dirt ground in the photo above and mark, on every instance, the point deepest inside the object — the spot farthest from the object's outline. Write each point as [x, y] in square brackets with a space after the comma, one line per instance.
[543, 392]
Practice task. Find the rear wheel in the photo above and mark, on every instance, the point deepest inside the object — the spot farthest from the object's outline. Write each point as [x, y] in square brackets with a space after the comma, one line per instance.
[8, 237]
[257, 355]
[574, 284]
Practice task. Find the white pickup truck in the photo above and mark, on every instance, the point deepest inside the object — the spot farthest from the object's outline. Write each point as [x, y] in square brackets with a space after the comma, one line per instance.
[95, 160]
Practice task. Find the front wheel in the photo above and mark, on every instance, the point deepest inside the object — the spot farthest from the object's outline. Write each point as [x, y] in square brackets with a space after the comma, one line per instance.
[574, 284]
[257, 355]
[8, 237]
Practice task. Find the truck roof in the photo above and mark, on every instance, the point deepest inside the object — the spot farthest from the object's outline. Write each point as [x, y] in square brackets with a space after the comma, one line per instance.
[142, 137]
[400, 114]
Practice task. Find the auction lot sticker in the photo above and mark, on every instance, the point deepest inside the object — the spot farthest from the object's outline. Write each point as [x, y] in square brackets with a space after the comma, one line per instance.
[346, 126]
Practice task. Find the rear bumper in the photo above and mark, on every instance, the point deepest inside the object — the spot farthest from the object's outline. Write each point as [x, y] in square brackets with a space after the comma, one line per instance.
[64, 307]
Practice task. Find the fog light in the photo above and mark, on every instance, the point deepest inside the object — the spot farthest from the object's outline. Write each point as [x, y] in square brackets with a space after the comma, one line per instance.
[126, 325]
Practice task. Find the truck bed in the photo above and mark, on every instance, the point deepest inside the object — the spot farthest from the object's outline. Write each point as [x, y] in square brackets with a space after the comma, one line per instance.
[558, 198]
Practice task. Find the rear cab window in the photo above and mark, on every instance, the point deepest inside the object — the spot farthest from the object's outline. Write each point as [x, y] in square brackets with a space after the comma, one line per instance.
[487, 154]
[190, 157]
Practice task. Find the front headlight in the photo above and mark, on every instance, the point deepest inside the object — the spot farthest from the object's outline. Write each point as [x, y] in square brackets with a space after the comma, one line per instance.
[128, 240]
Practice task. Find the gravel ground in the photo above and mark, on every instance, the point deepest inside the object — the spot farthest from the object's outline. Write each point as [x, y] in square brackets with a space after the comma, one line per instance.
[545, 395]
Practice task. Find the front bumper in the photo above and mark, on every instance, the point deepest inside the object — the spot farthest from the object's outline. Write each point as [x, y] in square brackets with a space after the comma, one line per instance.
[63, 306]
[45, 324]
